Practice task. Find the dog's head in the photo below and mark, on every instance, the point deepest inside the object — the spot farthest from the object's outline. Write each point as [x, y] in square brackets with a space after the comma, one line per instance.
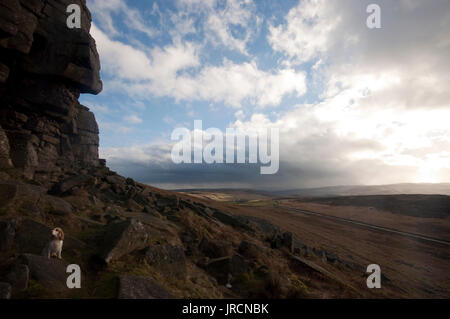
[57, 233]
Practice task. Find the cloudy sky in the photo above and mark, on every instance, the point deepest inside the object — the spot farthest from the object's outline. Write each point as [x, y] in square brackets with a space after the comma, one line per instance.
[353, 105]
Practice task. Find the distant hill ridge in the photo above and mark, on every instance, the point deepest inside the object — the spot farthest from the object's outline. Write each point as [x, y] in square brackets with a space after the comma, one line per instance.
[354, 190]
[344, 190]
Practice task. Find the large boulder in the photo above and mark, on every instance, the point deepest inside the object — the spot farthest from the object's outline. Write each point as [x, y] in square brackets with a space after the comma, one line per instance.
[122, 238]
[156, 228]
[140, 287]
[169, 260]
[50, 273]
[57, 206]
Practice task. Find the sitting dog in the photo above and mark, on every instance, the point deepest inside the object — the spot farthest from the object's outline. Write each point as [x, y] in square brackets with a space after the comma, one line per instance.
[54, 247]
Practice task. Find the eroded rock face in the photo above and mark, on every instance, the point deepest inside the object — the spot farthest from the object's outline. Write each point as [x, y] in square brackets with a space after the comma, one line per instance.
[44, 66]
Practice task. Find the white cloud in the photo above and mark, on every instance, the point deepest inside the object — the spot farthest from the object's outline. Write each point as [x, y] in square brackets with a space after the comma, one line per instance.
[384, 104]
[239, 115]
[144, 154]
[103, 9]
[331, 137]
[308, 32]
[219, 24]
[183, 23]
[383, 109]
[230, 83]
[196, 4]
[119, 59]
[160, 72]
[230, 23]
[133, 119]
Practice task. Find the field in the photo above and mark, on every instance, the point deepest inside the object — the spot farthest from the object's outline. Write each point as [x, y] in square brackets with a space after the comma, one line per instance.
[407, 235]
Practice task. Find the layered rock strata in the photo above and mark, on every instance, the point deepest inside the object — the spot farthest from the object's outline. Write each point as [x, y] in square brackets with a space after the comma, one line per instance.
[44, 66]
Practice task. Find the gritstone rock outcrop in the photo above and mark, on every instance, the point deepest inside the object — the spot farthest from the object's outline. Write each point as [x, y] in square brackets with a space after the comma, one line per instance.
[44, 66]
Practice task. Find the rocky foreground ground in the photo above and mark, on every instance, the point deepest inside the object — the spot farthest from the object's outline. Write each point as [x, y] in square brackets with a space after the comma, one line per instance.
[130, 240]
[135, 241]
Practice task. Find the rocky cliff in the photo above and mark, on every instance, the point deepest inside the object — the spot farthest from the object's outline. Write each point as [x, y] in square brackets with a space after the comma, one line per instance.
[44, 66]
[130, 240]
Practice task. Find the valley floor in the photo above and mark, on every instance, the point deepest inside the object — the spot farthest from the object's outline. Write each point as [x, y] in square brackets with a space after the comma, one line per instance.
[411, 267]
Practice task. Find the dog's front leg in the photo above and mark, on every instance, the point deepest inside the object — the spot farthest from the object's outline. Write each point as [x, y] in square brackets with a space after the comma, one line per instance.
[59, 252]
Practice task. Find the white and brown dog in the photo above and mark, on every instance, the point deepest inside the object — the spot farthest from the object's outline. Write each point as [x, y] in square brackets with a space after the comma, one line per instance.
[54, 247]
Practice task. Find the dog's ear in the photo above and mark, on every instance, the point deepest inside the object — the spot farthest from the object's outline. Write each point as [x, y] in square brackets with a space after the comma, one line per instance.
[61, 234]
